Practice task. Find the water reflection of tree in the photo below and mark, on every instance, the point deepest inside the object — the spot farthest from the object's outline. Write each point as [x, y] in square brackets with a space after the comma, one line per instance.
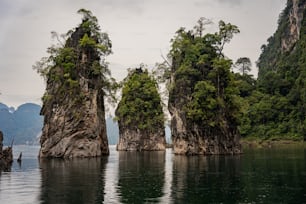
[141, 176]
[275, 175]
[73, 181]
[213, 179]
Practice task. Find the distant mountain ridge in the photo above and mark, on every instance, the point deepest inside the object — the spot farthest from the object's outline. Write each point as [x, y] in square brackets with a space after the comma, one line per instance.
[22, 125]
[25, 123]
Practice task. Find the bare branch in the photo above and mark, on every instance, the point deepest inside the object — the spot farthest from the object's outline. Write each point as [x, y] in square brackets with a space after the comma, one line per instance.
[57, 37]
[168, 63]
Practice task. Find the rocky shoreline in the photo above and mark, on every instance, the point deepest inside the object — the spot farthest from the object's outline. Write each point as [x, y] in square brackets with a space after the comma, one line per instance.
[256, 143]
[6, 156]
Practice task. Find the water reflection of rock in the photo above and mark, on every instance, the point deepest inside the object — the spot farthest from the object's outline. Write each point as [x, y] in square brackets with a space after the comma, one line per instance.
[73, 181]
[199, 179]
[141, 176]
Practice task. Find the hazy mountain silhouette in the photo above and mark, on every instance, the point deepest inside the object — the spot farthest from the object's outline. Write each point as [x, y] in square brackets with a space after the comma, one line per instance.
[23, 125]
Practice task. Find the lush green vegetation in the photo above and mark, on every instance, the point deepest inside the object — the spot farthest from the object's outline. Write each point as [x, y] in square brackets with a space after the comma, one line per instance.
[140, 107]
[199, 79]
[272, 107]
[202, 85]
[244, 65]
[79, 54]
[275, 106]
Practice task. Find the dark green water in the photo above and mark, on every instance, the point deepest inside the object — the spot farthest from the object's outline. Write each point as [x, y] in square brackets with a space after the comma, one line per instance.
[257, 176]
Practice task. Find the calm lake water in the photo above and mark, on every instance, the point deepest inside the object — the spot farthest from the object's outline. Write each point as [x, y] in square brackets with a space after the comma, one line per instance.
[257, 176]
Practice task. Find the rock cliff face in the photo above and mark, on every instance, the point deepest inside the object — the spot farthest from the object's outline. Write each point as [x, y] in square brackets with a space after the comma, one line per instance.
[140, 115]
[73, 108]
[192, 138]
[75, 130]
[285, 40]
[295, 17]
[137, 140]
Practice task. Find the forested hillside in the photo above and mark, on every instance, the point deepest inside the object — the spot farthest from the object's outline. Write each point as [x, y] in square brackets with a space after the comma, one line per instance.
[275, 105]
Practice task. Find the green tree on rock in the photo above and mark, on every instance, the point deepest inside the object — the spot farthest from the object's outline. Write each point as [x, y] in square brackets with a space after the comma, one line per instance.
[203, 99]
[78, 80]
[83, 46]
[140, 114]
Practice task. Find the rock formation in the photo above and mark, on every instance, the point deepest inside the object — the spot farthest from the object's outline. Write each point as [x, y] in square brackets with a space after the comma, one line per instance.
[73, 104]
[6, 156]
[141, 140]
[193, 138]
[202, 99]
[140, 115]
[296, 14]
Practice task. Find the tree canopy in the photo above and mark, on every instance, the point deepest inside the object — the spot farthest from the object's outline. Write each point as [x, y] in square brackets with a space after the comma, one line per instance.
[203, 83]
[244, 65]
[140, 107]
[276, 106]
[80, 53]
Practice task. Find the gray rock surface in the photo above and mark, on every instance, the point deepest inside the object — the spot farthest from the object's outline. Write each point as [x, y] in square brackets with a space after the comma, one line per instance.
[74, 116]
[296, 15]
[137, 140]
[75, 131]
[6, 156]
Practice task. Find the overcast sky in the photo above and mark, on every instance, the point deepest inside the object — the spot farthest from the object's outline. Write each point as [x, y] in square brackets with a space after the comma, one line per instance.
[140, 31]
